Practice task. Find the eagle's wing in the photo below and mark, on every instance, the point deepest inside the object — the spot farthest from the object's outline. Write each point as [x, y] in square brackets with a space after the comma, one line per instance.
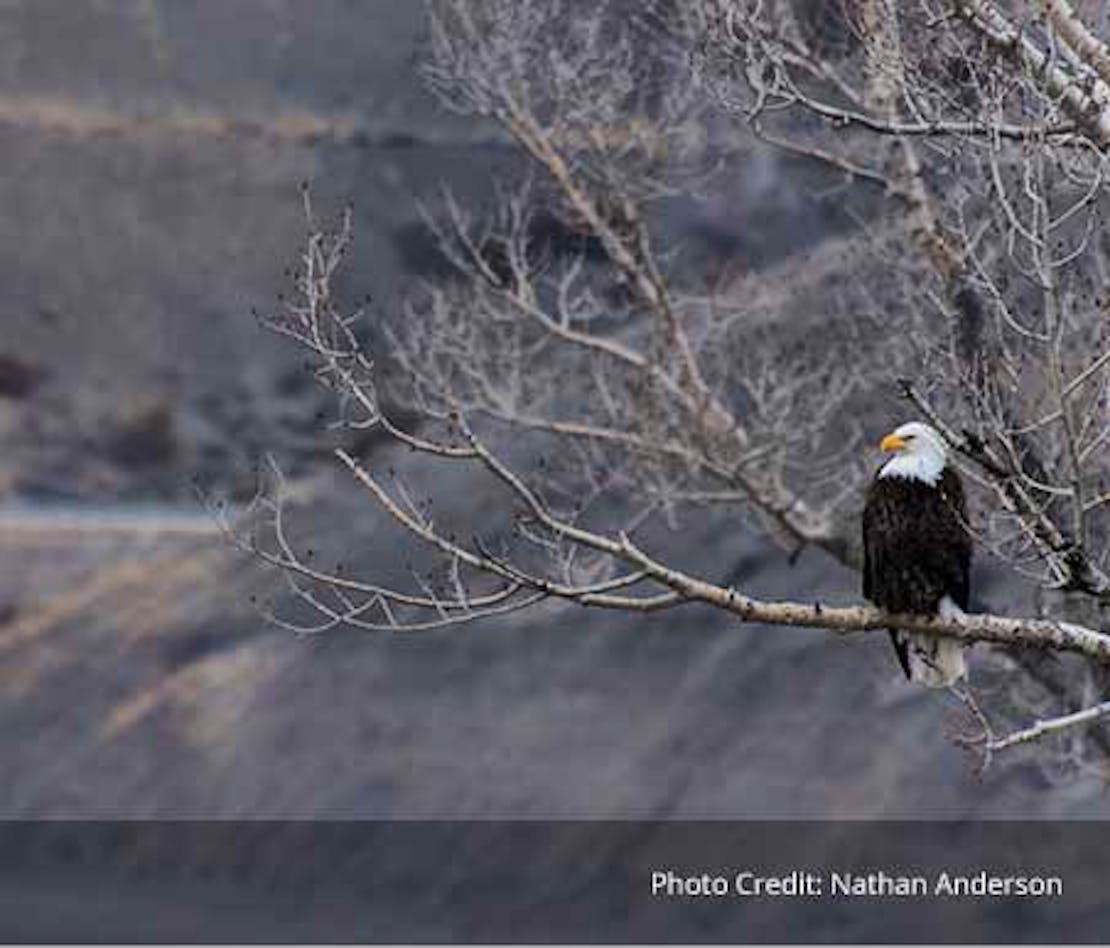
[875, 530]
[954, 564]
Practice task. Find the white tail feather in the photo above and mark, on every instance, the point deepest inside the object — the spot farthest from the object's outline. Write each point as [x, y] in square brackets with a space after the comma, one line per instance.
[936, 661]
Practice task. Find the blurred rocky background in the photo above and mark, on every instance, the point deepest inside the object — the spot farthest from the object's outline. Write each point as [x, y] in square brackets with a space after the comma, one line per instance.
[151, 154]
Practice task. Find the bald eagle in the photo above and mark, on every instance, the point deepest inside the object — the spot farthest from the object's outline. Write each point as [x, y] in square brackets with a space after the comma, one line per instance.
[916, 551]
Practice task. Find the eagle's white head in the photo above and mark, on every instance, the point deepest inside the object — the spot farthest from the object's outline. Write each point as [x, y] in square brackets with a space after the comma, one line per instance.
[919, 453]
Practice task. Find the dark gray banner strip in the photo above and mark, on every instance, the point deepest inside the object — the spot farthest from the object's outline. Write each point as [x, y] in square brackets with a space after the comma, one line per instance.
[555, 882]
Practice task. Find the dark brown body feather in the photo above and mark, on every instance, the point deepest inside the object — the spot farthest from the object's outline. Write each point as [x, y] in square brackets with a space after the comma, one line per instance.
[915, 547]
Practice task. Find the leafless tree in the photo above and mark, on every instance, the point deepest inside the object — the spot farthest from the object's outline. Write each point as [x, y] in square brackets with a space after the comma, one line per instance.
[651, 389]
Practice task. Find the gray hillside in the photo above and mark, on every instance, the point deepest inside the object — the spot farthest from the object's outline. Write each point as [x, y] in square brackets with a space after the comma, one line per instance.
[152, 156]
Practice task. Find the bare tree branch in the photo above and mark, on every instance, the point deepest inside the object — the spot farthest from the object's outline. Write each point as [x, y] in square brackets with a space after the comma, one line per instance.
[604, 385]
[1051, 726]
[1088, 102]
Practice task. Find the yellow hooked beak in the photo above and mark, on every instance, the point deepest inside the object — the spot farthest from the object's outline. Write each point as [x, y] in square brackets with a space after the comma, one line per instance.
[891, 443]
